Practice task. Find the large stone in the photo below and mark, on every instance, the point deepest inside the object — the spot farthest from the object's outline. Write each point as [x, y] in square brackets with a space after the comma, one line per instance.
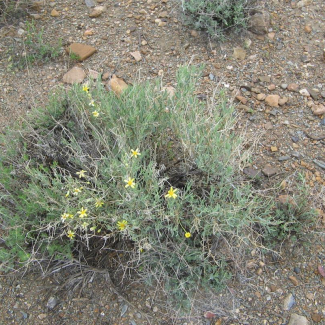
[304, 3]
[83, 51]
[117, 85]
[259, 22]
[75, 75]
[298, 320]
[97, 11]
[272, 100]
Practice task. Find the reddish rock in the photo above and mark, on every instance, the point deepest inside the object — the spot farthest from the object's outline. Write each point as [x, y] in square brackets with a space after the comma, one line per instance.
[83, 51]
[75, 75]
[318, 109]
[293, 87]
[242, 99]
[272, 100]
[283, 101]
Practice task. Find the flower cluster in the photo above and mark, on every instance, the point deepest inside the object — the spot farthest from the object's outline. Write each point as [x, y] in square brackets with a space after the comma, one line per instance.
[95, 113]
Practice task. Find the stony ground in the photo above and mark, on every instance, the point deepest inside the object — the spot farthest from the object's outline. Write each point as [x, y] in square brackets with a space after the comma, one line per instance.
[276, 79]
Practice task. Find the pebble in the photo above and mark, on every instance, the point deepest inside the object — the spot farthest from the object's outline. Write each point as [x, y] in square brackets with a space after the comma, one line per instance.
[242, 99]
[295, 139]
[308, 29]
[261, 96]
[318, 109]
[294, 280]
[284, 158]
[322, 122]
[304, 92]
[272, 100]
[298, 320]
[55, 13]
[269, 170]
[75, 75]
[283, 101]
[293, 87]
[284, 86]
[271, 87]
[316, 317]
[42, 316]
[97, 11]
[296, 270]
[288, 302]
[322, 94]
[52, 302]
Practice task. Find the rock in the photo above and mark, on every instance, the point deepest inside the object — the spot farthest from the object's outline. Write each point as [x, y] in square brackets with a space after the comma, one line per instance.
[42, 316]
[272, 100]
[313, 93]
[93, 74]
[259, 22]
[274, 149]
[261, 96]
[308, 29]
[117, 85]
[322, 94]
[266, 79]
[83, 51]
[316, 317]
[137, 55]
[271, 35]
[251, 172]
[97, 11]
[284, 86]
[55, 13]
[75, 75]
[271, 87]
[163, 14]
[239, 53]
[284, 158]
[304, 3]
[318, 109]
[88, 32]
[269, 170]
[247, 43]
[298, 320]
[304, 92]
[52, 302]
[289, 302]
[20, 32]
[245, 108]
[242, 99]
[283, 101]
[194, 33]
[294, 280]
[293, 87]
[90, 3]
[295, 139]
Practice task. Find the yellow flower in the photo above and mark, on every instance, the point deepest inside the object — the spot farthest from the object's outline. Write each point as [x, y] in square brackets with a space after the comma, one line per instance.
[135, 153]
[81, 174]
[71, 234]
[85, 225]
[99, 203]
[85, 88]
[129, 182]
[82, 213]
[76, 191]
[95, 114]
[65, 216]
[122, 225]
[171, 193]
[188, 235]
[67, 194]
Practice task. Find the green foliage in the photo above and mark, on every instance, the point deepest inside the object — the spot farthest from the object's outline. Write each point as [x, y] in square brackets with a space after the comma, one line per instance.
[148, 176]
[37, 50]
[216, 16]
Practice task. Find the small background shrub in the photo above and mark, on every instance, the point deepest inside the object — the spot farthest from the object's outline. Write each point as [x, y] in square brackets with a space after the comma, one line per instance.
[145, 185]
[216, 16]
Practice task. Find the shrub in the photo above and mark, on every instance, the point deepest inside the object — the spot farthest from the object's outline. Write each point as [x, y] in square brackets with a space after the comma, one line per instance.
[146, 182]
[216, 16]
